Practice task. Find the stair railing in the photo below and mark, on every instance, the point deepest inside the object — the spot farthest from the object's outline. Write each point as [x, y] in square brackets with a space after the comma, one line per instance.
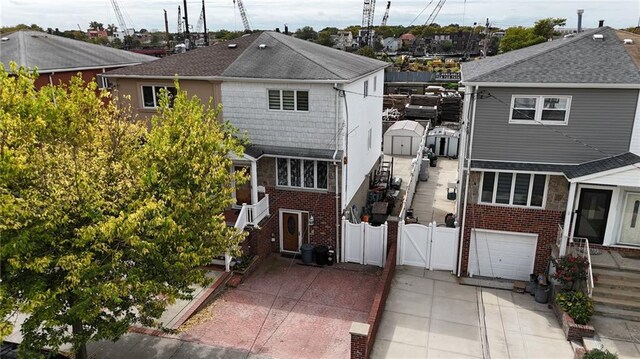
[581, 248]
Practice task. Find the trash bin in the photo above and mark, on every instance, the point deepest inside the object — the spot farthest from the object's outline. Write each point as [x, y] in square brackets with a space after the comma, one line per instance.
[322, 255]
[332, 255]
[307, 253]
[532, 284]
[542, 293]
[433, 162]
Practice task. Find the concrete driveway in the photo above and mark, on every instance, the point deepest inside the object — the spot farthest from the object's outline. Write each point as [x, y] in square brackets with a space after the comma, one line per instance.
[429, 315]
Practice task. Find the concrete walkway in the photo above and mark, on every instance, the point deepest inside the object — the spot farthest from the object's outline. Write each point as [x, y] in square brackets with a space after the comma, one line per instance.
[618, 336]
[430, 201]
[429, 315]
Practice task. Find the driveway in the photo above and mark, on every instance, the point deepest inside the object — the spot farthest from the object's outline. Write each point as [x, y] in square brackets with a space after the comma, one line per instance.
[429, 315]
[286, 310]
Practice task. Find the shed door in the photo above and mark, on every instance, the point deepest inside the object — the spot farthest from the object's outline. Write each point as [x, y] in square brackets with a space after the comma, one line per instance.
[401, 145]
[508, 255]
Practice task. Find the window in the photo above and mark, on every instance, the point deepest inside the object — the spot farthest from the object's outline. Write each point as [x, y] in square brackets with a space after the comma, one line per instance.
[375, 83]
[103, 82]
[369, 139]
[151, 95]
[516, 189]
[366, 88]
[294, 172]
[547, 110]
[288, 100]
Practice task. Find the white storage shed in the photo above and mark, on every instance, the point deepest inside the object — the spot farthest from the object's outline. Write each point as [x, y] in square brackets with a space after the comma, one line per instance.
[403, 138]
[444, 141]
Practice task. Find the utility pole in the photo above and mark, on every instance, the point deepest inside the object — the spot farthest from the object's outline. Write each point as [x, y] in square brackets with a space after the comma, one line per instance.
[487, 37]
[204, 20]
[187, 36]
[166, 30]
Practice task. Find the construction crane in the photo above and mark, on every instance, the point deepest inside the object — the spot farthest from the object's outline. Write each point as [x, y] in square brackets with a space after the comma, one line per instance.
[243, 14]
[368, 10]
[386, 15]
[179, 29]
[436, 10]
[121, 22]
[200, 22]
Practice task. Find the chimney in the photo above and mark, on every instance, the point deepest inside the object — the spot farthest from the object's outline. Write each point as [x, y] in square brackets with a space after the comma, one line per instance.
[286, 30]
[600, 23]
[580, 12]
[277, 29]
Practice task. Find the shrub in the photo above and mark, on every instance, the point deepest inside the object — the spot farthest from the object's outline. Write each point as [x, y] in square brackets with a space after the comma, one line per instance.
[577, 304]
[599, 354]
[570, 271]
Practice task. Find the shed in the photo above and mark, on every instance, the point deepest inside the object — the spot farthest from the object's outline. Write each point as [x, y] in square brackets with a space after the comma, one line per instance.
[403, 138]
[444, 141]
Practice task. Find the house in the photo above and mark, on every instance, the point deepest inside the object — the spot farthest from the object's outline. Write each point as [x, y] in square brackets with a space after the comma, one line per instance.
[312, 117]
[550, 153]
[59, 58]
[343, 40]
[391, 44]
[407, 39]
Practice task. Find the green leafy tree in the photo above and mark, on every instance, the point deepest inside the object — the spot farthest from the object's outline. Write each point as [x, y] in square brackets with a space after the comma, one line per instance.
[111, 28]
[324, 38]
[96, 25]
[546, 27]
[306, 33]
[103, 222]
[446, 45]
[366, 51]
[519, 37]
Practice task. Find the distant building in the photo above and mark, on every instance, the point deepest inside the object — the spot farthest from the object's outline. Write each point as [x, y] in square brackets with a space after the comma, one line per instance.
[408, 39]
[343, 40]
[93, 34]
[391, 44]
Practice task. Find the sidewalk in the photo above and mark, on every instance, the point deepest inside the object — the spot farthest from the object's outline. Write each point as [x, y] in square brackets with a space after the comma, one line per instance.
[429, 315]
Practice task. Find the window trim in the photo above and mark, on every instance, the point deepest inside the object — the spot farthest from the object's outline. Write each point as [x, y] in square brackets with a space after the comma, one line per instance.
[153, 90]
[366, 88]
[512, 190]
[302, 186]
[295, 100]
[539, 109]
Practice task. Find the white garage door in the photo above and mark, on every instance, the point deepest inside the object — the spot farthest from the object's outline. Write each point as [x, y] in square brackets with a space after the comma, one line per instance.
[508, 255]
[401, 145]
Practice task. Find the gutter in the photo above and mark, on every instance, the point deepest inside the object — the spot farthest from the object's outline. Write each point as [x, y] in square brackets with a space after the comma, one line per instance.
[552, 85]
[87, 68]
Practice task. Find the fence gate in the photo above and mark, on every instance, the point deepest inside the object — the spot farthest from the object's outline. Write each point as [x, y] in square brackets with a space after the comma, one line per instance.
[430, 247]
[364, 243]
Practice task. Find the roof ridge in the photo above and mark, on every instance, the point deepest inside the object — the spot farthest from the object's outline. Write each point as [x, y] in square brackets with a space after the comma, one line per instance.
[301, 54]
[22, 49]
[546, 51]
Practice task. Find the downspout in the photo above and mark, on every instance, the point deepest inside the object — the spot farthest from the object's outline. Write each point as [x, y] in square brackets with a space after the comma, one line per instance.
[337, 190]
[466, 191]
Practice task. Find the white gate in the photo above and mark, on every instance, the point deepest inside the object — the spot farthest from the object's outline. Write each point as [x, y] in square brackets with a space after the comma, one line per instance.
[430, 247]
[364, 243]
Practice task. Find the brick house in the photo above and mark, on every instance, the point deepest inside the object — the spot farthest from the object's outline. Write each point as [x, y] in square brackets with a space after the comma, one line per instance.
[58, 58]
[311, 115]
[550, 151]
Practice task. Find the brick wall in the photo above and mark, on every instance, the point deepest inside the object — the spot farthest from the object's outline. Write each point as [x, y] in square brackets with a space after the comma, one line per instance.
[362, 345]
[510, 219]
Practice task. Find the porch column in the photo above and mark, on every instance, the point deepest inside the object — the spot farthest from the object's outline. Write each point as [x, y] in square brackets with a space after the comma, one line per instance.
[567, 218]
[254, 182]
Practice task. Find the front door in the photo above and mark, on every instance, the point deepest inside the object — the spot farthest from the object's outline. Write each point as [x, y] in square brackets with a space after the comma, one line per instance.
[591, 217]
[290, 231]
[243, 191]
[630, 227]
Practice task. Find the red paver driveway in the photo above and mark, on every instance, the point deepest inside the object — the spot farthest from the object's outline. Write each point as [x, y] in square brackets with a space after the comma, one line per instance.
[308, 311]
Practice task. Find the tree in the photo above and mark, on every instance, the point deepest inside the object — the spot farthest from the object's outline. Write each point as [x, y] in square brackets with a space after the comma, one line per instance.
[96, 25]
[446, 45]
[366, 51]
[324, 38]
[103, 222]
[519, 37]
[306, 33]
[111, 29]
[545, 27]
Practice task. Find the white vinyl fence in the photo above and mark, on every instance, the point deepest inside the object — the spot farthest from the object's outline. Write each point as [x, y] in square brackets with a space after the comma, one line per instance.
[429, 247]
[364, 243]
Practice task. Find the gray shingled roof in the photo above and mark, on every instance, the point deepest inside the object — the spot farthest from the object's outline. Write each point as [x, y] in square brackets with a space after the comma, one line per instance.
[50, 52]
[283, 57]
[204, 61]
[578, 59]
[286, 57]
[570, 171]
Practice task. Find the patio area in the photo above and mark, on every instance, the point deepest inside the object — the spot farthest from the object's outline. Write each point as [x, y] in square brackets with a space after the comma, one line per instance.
[287, 310]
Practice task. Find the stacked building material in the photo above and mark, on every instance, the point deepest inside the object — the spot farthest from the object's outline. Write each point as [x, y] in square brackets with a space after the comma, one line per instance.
[395, 101]
[421, 112]
[450, 107]
[429, 99]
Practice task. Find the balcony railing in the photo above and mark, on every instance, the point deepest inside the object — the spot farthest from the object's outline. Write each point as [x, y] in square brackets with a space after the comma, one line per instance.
[252, 214]
[578, 246]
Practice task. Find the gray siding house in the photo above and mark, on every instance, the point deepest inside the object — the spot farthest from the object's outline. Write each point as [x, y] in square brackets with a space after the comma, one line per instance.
[550, 152]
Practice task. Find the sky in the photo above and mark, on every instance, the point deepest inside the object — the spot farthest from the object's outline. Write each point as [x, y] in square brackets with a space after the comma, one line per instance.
[269, 14]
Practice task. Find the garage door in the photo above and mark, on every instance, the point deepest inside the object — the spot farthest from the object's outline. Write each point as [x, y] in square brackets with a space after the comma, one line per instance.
[508, 255]
[401, 145]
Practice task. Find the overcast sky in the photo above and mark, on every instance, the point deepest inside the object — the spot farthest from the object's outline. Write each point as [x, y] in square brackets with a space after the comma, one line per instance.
[269, 14]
